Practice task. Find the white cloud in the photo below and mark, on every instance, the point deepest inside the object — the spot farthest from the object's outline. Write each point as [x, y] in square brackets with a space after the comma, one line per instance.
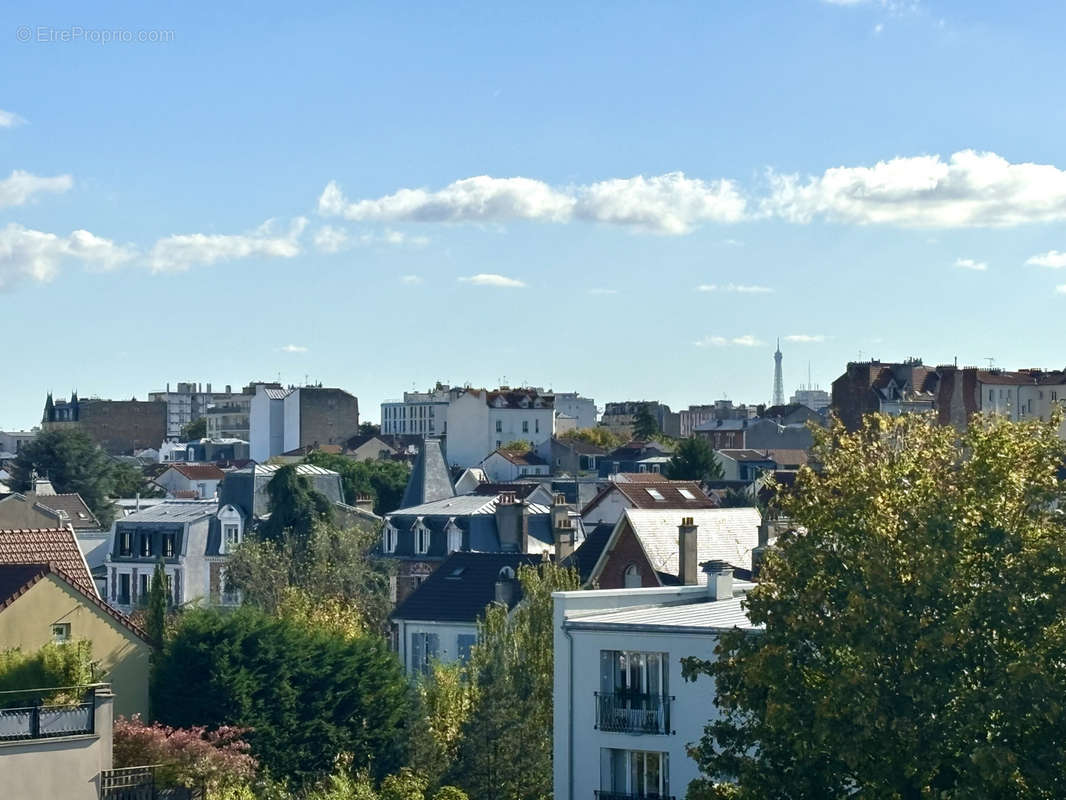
[489, 279]
[734, 287]
[805, 338]
[411, 280]
[395, 238]
[329, 239]
[36, 255]
[670, 203]
[294, 348]
[1054, 259]
[20, 186]
[182, 251]
[969, 263]
[723, 341]
[970, 189]
[603, 291]
[9, 119]
[1061, 288]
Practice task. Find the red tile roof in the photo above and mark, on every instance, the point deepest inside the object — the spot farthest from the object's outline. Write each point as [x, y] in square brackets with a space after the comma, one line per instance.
[200, 472]
[527, 459]
[17, 579]
[56, 547]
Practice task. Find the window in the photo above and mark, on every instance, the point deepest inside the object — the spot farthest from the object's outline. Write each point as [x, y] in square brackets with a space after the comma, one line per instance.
[143, 584]
[422, 537]
[632, 577]
[655, 494]
[455, 538]
[61, 632]
[525, 426]
[201, 489]
[125, 543]
[231, 536]
[231, 595]
[499, 426]
[388, 538]
[633, 696]
[463, 644]
[146, 544]
[124, 588]
[635, 773]
[686, 494]
[424, 649]
[168, 545]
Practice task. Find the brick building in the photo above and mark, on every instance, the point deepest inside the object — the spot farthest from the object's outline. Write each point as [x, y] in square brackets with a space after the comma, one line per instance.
[119, 426]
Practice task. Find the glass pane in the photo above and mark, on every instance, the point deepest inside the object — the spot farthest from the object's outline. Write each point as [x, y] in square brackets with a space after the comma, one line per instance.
[653, 775]
[654, 674]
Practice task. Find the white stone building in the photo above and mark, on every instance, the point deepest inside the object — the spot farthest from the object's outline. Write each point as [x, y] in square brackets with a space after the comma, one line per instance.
[623, 713]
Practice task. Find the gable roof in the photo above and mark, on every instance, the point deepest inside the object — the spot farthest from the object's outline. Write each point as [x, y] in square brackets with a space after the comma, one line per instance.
[21, 511]
[723, 534]
[587, 555]
[17, 579]
[56, 547]
[461, 588]
[199, 472]
[658, 494]
[430, 478]
[746, 455]
[527, 459]
[580, 446]
[77, 510]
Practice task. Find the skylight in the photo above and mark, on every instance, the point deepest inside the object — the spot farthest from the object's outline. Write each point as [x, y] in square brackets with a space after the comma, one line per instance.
[686, 494]
[655, 494]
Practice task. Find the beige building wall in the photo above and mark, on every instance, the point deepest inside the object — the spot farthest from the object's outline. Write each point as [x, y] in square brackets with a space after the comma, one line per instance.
[122, 655]
[63, 768]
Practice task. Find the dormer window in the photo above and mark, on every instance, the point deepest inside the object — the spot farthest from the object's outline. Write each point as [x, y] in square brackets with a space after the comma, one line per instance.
[389, 537]
[455, 537]
[421, 538]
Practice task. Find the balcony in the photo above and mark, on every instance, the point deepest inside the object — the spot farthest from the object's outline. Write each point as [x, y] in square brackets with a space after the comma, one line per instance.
[604, 795]
[27, 716]
[630, 712]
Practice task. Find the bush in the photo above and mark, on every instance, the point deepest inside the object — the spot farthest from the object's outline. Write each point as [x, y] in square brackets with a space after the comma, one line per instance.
[308, 694]
[450, 793]
[54, 665]
[218, 760]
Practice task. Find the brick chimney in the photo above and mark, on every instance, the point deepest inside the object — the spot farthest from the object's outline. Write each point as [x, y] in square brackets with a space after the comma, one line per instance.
[564, 538]
[688, 557]
[560, 509]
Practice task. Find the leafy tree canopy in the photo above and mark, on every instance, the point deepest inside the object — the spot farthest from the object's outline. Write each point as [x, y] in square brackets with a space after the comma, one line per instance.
[694, 461]
[295, 508]
[645, 426]
[507, 739]
[307, 694]
[914, 640]
[382, 480]
[195, 430]
[130, 481]
[74, 463]
[517, 446]
[601, 437]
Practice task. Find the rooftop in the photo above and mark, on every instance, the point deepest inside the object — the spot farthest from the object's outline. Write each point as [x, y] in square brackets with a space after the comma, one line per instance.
[199, 472]
[693, 617]
[174, 511]
[56, 547]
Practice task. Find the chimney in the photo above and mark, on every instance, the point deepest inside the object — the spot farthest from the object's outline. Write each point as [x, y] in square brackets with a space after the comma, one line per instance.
[364, 501]
[687, 552]
[505, 587]
[509, 518]
[564, 539]
[560, 509]
[719, 580]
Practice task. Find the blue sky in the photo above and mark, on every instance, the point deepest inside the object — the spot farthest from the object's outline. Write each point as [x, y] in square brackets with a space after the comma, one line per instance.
[630, 200]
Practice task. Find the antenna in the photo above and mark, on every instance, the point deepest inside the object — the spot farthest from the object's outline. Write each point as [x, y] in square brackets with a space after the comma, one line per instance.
[990, 361]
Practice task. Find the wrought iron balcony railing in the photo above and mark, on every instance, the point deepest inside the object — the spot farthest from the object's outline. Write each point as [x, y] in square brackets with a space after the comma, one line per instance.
[631, 712]
[604, 795]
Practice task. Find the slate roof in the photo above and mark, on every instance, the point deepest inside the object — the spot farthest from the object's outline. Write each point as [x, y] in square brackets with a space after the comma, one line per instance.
[246, 488]
[461, 587]
[528, 459]
[78, 512]
[56, 547]
[788, 456]
[430, 478]
[582, 447]
[745, 456]
[584, 558]
[199, 472]
[276, 394]
[177, 511]
[724, 534]
[521, 490]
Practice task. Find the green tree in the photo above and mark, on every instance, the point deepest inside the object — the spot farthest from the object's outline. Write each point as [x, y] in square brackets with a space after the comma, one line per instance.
[517, 446]
[369, 429]
[74, 463]
[156, 616]
[295, 508]
[68, 664]
[130, 481]
[694, 461]
[645, 426]
[913, 644]
[444, 701]
[601, 437]
[307, 694]
[506, 750]
[195, 430]
[737, 498]
[382, 480]
[450, 793]
[334, 566]
[404, 785]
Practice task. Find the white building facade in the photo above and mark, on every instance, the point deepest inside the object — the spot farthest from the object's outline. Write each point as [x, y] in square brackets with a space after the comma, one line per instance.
[266, 423]
[424, 413]
[623, 713]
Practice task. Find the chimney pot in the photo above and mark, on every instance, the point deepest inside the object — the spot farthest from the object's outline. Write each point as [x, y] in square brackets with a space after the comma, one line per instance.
[719, 580]
[688, 551]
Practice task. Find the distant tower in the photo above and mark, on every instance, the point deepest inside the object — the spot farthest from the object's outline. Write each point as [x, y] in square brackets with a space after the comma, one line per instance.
[779, 383]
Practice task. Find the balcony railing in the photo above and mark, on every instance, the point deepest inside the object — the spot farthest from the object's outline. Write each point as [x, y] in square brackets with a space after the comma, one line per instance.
[604, 795]
[43, 721]
[629, 712]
